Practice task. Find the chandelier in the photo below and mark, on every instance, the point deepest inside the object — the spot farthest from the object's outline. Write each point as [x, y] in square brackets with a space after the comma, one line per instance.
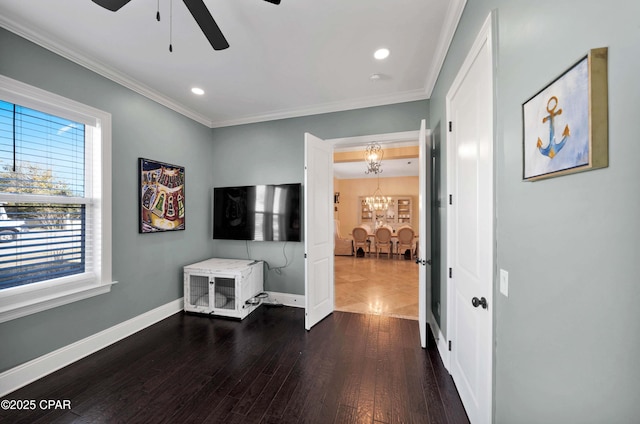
[373, 157]
[377, 201]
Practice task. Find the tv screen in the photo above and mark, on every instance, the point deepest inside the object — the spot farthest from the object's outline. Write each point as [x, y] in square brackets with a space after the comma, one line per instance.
[261, 213]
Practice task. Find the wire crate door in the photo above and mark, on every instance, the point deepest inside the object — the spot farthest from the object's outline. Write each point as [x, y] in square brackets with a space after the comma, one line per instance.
[224, 293]
[198, 287]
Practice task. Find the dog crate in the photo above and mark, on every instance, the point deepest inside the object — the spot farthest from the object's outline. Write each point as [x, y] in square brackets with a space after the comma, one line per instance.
[222, 287]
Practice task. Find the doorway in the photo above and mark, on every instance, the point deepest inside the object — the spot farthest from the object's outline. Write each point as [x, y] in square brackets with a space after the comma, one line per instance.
[384, 284]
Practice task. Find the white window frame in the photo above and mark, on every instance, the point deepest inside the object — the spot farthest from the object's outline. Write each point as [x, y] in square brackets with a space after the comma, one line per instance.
[16, 302]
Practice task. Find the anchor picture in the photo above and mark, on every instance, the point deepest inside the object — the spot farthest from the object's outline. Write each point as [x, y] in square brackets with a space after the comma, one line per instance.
[557, 136]
[553, 147]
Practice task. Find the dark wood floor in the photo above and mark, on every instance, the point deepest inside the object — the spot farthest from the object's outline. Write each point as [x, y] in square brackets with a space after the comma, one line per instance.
[350, 368]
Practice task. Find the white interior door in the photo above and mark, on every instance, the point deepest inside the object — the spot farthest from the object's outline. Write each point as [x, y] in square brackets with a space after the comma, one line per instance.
[470, 229]
[318, 229]
[424, 238]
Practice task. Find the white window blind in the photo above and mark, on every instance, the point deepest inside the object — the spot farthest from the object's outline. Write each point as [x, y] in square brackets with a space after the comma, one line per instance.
[42, 164]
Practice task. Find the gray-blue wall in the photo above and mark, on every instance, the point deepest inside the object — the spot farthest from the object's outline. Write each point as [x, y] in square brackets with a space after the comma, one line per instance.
[568, 336]
[273, 152]
[147, 267]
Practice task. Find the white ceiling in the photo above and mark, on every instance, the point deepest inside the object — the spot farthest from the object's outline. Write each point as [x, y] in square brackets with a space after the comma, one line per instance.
[298, 58]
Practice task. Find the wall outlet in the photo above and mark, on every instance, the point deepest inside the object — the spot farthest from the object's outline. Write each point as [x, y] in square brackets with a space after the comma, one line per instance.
[504, 282]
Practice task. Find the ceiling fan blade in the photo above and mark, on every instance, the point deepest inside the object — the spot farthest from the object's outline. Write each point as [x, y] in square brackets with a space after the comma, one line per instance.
[273, 1]
[208, 26]
[112, 5]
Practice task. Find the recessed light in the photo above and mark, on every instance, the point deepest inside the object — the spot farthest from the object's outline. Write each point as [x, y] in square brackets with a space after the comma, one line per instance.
[381, 54]
[198, 91]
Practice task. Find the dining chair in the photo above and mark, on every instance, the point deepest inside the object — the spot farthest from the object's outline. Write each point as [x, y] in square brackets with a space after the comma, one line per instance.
[383, 241]
[361, 239]
[406, 241]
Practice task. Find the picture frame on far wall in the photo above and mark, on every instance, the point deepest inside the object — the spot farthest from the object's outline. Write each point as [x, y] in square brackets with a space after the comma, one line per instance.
[161, 196]
[565, 125]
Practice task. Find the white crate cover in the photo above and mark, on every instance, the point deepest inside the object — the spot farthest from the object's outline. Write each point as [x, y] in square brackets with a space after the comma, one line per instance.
[222, 286]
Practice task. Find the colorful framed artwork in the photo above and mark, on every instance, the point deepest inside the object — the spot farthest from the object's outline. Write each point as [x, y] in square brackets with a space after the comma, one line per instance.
[565, 125]
[161, 196]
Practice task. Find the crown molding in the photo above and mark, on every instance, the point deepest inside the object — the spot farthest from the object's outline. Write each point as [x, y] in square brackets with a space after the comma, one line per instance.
[407, 96]
[451, 21]
[47, 42]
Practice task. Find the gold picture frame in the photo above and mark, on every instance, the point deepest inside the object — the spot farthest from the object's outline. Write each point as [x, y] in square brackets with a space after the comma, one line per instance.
[566, 124]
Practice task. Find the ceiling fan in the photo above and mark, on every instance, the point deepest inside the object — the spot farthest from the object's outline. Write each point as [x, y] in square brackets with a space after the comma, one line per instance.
[200, 13]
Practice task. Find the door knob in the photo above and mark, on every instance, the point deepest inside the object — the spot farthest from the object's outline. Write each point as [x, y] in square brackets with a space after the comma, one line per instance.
[479, 302]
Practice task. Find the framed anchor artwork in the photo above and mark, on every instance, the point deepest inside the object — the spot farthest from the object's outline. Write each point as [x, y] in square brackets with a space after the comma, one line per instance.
[161, 196]
[565, 125]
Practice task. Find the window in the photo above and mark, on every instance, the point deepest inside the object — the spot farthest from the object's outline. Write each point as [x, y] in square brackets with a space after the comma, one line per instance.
[55, 221]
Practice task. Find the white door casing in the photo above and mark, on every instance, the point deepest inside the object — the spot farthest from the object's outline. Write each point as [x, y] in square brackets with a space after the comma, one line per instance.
[318, 229]
[470, 228]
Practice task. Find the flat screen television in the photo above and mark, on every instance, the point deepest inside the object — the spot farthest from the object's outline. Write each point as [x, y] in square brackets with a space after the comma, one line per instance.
[261, 212]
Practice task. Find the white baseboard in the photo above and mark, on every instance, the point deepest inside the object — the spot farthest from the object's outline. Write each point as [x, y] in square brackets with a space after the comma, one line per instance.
[35, 369]
[287, 299]
[441, 341]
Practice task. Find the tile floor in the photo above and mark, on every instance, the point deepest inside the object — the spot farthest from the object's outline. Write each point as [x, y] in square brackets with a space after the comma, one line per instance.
[378, 286]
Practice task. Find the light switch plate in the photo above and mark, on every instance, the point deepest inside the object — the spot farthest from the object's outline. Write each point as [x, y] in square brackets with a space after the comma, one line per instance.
[504, 282]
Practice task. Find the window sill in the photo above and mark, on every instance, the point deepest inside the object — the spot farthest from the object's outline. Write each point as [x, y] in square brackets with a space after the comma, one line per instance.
[16, 302]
